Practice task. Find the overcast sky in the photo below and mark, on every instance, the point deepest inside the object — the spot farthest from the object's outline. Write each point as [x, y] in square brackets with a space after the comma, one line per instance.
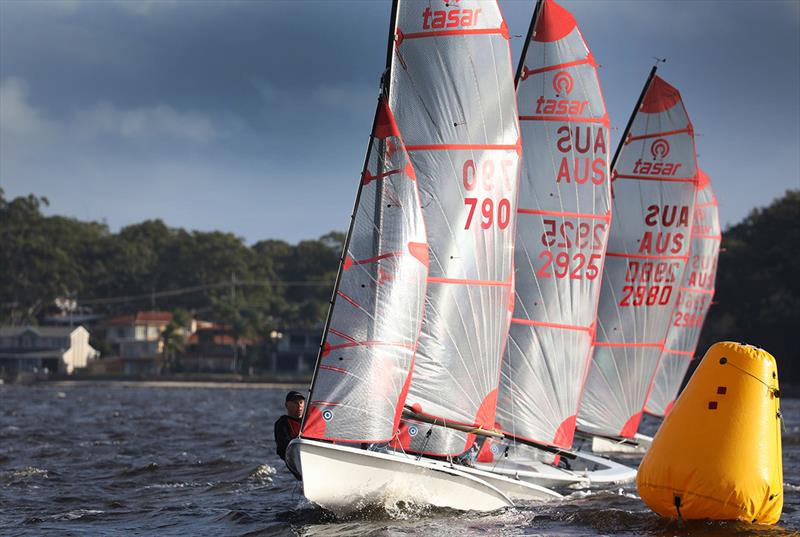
[252, 117]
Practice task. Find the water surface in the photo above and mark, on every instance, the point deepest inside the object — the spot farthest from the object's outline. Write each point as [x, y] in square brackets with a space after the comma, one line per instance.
[95, 459]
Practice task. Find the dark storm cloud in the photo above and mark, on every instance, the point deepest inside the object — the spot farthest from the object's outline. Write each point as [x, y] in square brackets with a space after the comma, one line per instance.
[252, 117]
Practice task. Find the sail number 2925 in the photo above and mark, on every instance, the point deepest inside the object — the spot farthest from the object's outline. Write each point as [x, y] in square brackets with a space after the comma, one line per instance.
[485, 178]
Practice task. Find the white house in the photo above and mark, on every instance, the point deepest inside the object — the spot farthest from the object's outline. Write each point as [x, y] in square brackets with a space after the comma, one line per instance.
[53, 349]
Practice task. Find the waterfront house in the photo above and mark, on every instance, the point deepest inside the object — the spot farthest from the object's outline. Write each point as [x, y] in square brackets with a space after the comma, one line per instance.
[44, 349]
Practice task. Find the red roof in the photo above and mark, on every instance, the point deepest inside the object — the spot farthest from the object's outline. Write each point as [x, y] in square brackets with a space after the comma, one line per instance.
[142, 317]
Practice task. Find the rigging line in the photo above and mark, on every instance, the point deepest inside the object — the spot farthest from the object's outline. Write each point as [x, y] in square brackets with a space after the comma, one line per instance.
[728, 362]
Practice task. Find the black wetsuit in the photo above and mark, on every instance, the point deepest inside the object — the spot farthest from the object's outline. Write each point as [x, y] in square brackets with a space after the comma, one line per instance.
[287, 428]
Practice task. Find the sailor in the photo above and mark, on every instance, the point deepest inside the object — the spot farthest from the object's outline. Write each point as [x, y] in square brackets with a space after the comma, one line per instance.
[288, 427]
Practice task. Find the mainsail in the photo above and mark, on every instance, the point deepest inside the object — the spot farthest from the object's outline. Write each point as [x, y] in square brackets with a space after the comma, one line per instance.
[562, 230]
[368, 349]
[653, 185]
[694, 300]
[452, 93]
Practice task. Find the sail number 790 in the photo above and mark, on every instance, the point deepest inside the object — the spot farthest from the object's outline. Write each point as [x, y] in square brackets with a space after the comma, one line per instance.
[491, 213]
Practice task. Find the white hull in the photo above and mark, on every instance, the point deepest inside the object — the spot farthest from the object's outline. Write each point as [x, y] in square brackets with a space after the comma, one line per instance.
[605, 445]
[513, 487]
[345, 479]
[536, 472]
[600, 471]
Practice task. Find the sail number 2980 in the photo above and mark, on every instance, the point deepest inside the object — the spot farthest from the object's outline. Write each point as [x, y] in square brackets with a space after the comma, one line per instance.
[484, 178]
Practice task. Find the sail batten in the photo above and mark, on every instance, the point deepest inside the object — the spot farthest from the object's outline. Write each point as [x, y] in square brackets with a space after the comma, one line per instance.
[562, 230]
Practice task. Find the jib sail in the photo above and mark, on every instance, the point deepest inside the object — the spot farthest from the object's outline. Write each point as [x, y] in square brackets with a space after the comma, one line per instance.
[563, 223]
[368, 349]
[653, 185]
[694, 300]
[452, 91]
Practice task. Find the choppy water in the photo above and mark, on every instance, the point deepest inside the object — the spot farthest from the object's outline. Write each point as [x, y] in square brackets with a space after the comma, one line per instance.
[109, 460]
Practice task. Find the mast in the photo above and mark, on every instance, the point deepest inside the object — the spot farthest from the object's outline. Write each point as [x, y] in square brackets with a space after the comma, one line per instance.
[384, 92]
[633, 115]
[531, 29]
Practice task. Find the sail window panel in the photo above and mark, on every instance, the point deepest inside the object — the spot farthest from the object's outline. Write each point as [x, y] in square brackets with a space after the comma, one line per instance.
[558, 266]
[554, 385]
[424, 16]
[452, 90]
[616, 388]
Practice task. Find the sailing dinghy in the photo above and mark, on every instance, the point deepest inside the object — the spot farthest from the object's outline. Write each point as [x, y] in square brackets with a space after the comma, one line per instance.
[694, 300]
[421, 306]
[653, 184]
[563, 222]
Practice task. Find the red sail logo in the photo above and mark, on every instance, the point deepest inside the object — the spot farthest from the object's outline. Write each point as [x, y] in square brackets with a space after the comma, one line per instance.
[562, 83]
[659, 149]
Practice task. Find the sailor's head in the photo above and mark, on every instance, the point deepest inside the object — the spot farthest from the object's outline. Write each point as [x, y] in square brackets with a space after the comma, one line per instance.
[295, 403]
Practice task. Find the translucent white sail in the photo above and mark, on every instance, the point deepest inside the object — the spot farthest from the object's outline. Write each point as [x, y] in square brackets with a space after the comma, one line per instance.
[653, 185]
[694, 300]
[562, 229]
[452, 92]
[368, 352]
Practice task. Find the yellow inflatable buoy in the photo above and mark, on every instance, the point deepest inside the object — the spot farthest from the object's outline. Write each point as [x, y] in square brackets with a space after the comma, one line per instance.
[718, 453]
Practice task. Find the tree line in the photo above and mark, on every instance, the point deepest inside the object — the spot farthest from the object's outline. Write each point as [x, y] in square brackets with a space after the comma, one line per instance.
[273, 284]
[150, 265]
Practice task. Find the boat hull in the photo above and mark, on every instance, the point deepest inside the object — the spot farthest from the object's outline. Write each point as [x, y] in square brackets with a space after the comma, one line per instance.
[605, 445]
[597, 471]
[344, 479]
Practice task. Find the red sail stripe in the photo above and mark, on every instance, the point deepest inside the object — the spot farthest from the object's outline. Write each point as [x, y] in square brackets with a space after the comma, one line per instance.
[341, 334]
[378, 258]
[441, 33]
[605, 217]
[644, 256]
[664, 179]
[712, 237]
[682, 353]
[552, 325]
[370, 344]
[331, 368]
[701, 291]
[528, 72]
[350, 300]
[466, 147]
[658, 134]
[368, 177]
[491, 283]
[612, 344]
[325, 403]
[567, 119]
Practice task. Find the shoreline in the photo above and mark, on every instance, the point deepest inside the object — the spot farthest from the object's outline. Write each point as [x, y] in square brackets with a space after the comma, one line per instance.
[188, 384]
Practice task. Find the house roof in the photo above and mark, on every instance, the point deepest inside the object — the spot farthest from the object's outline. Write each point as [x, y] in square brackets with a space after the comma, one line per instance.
[41, 331]
[141, 317]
